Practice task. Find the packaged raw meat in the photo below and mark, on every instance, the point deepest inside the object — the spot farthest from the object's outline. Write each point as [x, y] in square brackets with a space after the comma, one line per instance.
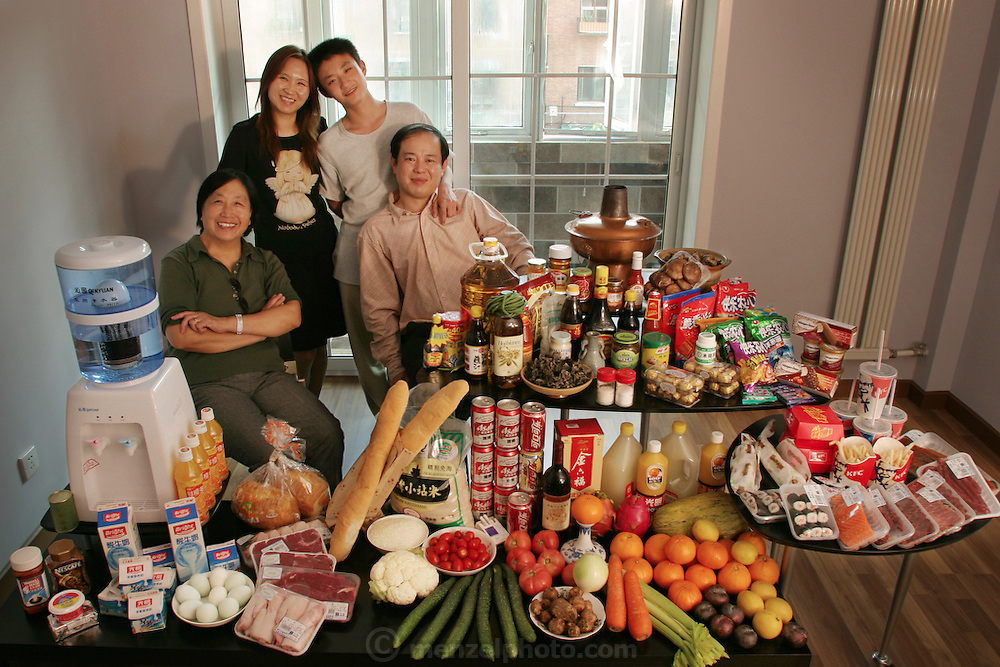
[280, 619]
[900, 527]
[336, 590]
[859, 523]
[947, 518]
[305, 561]
[933, 481]
[925, 528]
[928, 447]
[307, 540]
[809, 514]
[962, 474]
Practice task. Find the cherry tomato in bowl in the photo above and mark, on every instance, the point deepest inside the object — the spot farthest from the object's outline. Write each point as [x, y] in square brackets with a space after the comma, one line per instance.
[459, 551]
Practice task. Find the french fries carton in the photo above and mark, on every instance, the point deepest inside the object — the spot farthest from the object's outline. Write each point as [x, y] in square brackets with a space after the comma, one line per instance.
[582, 454]
[855, 461]
[893, 462]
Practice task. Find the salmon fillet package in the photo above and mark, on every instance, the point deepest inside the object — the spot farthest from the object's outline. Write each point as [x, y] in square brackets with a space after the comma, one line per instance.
[859, 523]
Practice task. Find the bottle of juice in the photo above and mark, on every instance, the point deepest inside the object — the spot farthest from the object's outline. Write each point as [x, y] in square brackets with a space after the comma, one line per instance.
[192, 441]
[651, 475]
[620, 464]
[188, 481]
[215, 430]
[211, 454]
[712, 472]
[683, 454]
[487, 277]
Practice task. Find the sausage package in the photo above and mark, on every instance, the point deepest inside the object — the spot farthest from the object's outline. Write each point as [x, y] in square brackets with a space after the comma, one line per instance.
[280, 619]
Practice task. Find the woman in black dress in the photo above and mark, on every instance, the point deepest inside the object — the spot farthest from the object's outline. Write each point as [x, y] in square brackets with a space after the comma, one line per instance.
[277, 149]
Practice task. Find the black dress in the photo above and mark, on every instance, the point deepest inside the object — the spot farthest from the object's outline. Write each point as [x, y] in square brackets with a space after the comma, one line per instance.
[294, 223]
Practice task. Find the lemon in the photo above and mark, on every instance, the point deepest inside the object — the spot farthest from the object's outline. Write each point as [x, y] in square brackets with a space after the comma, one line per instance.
[780, 607]
[704, 530]
[764, 589]
[750, 603]
[767, 624]
[743, 552]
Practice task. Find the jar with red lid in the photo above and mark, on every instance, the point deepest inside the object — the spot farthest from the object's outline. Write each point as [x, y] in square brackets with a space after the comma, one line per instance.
[32, 584]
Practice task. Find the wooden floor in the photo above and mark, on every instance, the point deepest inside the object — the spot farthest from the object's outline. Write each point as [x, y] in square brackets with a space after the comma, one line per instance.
[951, 616]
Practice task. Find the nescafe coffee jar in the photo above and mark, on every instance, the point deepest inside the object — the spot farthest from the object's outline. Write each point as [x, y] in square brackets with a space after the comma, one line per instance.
[66, 566]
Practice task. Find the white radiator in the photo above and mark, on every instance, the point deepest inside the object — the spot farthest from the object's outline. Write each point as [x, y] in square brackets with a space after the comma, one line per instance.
[911, 48]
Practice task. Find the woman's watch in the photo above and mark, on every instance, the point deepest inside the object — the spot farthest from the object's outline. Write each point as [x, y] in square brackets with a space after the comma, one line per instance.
[239, 324]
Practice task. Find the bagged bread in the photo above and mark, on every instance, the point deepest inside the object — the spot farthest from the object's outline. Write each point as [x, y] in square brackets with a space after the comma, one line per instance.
[263, 500]
[308, 486]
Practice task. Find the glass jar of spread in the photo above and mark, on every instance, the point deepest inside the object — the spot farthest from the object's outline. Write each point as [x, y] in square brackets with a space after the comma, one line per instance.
[32, 584]
[616, 294]
[584, 277]
[66, 566]
[625, 350]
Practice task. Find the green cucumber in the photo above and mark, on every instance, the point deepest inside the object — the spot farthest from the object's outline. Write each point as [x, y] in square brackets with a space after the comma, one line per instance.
[409, 623]
[524, 626]
[448, 607]
[483, 630]
[461, 627]
[503, 611]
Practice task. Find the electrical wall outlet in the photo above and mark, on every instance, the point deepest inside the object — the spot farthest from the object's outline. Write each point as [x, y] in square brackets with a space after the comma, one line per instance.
[27, 465]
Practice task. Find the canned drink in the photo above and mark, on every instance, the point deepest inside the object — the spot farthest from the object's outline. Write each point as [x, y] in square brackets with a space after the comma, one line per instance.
[500, 500]
[508, 434]
[482, 499]
[532, 427]
[482, 465]
[483, 421]
[64, 516]
[506, 468]
[519, 511]
[529, 476]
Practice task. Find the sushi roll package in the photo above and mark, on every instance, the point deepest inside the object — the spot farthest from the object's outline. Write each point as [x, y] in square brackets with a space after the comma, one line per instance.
[807, 507]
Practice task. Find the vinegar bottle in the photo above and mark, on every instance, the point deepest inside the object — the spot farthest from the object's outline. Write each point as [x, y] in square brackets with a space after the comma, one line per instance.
[651, 475]
[188, 481]
[712, 471]
[192, 441]
[215, 430]
[620, 464]
[211, 454]
[683, 454]
[487, 277]
[477, 345]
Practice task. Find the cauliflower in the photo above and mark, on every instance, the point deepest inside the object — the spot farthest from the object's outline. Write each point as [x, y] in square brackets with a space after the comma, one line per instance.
[400, 577]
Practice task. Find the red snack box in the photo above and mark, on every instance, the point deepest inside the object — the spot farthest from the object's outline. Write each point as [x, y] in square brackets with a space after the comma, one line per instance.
[582, 454]
[814, 429]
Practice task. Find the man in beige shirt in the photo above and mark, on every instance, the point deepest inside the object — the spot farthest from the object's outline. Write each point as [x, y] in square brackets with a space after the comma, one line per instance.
[412, 261]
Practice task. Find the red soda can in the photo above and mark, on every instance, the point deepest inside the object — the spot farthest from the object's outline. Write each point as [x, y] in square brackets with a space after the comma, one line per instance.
[506, 468]
[482, 499]
[532, 427]
[519, 510]
[530, 472]
[508, 424]
[483, 421]
[482, 465]
[500, 499]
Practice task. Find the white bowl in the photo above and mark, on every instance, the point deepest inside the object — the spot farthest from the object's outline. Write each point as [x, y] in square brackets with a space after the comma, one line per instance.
[397, 523]
[491, 549]
[213, 624]
[595, 603]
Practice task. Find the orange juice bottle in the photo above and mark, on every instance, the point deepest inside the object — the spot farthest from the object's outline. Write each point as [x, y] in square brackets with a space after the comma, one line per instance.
[651, 475]
[211, 453]
[215, 430]
[188, 481]
[712, 471]
[192, 441]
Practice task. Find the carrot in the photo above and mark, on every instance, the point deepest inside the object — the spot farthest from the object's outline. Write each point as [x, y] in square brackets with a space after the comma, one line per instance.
[640, 625]
[615, 606]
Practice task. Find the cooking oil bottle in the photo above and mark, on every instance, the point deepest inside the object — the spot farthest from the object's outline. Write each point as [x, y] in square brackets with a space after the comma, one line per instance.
[684, 457]
[488, 276]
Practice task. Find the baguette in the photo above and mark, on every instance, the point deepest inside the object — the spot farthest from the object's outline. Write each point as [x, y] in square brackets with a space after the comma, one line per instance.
[358, 496]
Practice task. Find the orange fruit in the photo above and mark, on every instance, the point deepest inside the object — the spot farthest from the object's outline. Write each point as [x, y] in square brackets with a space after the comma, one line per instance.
[653, 550]
[627, 545]
[764, 568]
[734, 577]
[666, 573]
[641, 567]
[684, 594]
[700, 575]
[756, 539]
[587, 509]
[681, 549]
[744, 551]
[712, 555]
[726, 542]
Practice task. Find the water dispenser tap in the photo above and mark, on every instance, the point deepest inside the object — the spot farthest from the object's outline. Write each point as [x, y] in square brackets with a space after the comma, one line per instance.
[129, 444]
[97, 444]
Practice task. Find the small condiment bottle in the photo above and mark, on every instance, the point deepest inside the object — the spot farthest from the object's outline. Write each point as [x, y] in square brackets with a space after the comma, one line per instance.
[66, 566]
[624, 387]
[32, 584]
[559, 256]
[561, 345]
[616, 294]
[605, 386]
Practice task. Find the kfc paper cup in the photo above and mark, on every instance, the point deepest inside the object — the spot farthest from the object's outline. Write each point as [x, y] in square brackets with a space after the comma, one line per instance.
[846, 411]
[872, 429]
[886, 473]
[897, 418]
[874, 383]
[860, 470]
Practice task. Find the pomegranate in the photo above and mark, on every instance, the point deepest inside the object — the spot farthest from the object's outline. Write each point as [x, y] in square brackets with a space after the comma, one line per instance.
[633, 516]
[608, 520]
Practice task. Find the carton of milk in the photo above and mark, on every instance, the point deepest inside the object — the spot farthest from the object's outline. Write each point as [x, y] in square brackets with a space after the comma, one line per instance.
[135, 574]
[224, 555]
[111, 601]
[146, 611]
[162, 555]
[165, 579]
[118, 534]
[186, 538]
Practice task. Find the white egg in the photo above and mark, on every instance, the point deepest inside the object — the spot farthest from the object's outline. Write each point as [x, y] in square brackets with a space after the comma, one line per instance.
[241, 594]
[217, 595]
[207, 613]
[186, 593]
[200, 583]
[217, 577]
[189, 608]
[228, 607]
[236, 579]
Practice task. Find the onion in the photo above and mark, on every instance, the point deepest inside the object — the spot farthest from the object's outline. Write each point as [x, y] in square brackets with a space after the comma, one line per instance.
[633, 516]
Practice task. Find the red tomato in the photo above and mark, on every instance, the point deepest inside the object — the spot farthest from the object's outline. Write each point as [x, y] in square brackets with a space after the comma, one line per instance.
[519, 559]
[518, 539]
[544, 539]
[432, 557]
[567, 575]
[553, 561]
[535, 579]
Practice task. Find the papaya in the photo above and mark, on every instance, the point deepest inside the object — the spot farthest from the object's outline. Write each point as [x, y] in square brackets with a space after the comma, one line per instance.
[676, 518]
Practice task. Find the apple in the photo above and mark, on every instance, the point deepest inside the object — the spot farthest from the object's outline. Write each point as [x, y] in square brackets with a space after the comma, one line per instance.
[567, 575]
[544, 539]
[519, 539]
[590, 572]
[552, 560]
[519, 559]
[534, 579]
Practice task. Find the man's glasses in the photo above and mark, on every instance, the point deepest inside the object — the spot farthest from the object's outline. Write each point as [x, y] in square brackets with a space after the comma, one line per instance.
[238, 294]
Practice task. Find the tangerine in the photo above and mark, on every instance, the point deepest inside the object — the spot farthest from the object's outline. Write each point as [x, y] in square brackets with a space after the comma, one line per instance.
[712, 554]
[681, 549]
[641, 567]
[587, 509]
[666, 573]
[653, 550]
[627, 545]
[764, 568]
[735, 577]
[700, 575]
[684, 594]
[756, 539]
[726, 542]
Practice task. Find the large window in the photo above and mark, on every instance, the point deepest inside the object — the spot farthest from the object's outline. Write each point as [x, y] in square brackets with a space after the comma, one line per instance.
[544, 101]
